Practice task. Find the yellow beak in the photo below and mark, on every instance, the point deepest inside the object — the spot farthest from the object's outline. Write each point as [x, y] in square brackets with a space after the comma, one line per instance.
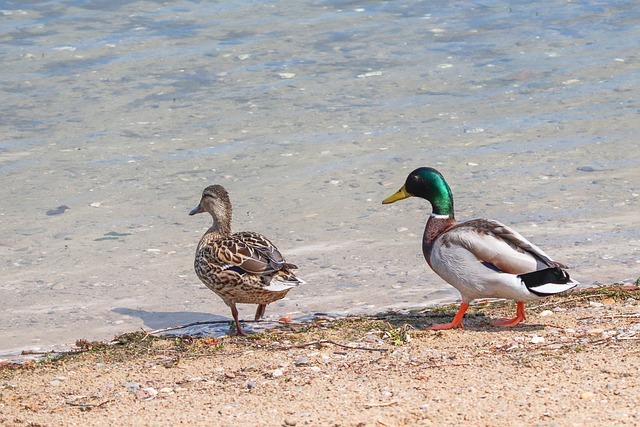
[399, 195]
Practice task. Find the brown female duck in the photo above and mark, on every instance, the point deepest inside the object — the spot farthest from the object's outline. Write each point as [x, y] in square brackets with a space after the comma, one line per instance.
[243, 267]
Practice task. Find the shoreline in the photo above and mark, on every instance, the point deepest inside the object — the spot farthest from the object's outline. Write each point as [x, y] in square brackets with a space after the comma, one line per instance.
[265, 326]
[574, 361]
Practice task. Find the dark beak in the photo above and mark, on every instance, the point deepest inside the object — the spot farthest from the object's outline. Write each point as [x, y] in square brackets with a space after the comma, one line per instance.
[198, 209]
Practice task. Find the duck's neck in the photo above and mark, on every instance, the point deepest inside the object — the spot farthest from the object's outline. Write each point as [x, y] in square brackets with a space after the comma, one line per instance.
[442, 217]
[430, 185]
[441, 199]
[436, 225]
[220, 229]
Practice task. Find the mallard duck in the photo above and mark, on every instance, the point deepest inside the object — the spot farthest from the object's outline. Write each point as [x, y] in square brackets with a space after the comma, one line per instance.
[481, 258]
[243, 267]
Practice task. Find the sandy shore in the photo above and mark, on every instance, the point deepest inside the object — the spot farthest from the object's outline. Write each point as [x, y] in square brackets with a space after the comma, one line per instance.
[574, 362]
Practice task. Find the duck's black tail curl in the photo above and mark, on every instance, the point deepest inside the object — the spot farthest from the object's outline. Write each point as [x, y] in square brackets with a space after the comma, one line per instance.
[549, 281]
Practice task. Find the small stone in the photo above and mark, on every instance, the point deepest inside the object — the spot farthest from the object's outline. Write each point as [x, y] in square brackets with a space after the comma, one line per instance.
[132, 386]
[587, 395]
[151, 392]
[57, 211]
[95, 204]
[287, 75]
[595, 304]
[537, 340]
[546, 313]
[166, 390]
[289, 421]
[55, 383]
[251, 385]
[303, 361]
[277, 373]
[595, 331]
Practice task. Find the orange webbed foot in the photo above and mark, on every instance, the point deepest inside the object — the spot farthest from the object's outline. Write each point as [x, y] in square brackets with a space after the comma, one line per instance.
[443, 326]
[520, 316]
[456, 323]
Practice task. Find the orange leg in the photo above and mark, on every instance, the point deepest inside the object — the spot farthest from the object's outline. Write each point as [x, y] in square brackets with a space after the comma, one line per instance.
[457, 320]
[520, 316]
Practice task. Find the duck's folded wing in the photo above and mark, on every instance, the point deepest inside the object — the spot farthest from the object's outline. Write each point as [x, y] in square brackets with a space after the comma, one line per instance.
[498, 245]
[251, 252]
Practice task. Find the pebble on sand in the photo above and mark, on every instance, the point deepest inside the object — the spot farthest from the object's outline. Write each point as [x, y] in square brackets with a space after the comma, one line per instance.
[302, 361]
[537, 340]
[587, 395]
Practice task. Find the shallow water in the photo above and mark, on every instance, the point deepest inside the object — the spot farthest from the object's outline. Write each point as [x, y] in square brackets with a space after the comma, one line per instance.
[310, 113]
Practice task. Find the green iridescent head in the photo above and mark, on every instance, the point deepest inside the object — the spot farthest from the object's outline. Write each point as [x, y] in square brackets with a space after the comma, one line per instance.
[428, 184]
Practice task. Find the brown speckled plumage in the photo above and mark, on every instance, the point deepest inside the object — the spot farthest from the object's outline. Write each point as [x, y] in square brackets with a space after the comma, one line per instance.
[243, 267]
